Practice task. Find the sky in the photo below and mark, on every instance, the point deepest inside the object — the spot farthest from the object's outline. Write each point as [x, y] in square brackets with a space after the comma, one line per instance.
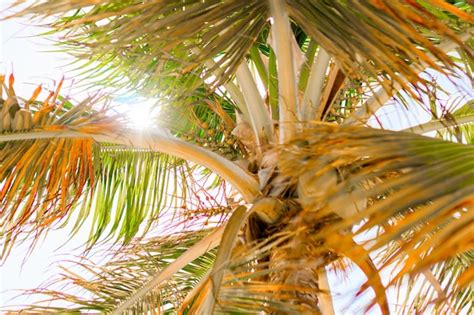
[28, 57]
[26, 54]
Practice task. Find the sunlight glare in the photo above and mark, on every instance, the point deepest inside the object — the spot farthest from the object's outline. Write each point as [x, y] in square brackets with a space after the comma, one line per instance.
[142, 114]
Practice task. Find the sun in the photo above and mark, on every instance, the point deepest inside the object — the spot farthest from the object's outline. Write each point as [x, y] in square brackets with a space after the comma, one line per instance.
[142, 113]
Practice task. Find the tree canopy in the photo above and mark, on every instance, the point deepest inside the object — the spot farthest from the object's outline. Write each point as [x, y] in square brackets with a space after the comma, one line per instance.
[268, 167]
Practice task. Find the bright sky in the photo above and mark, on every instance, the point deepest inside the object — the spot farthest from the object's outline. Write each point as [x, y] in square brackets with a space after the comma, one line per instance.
[32, 64]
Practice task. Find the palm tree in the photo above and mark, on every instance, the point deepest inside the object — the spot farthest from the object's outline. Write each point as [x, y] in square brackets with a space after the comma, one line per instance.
[274, 97]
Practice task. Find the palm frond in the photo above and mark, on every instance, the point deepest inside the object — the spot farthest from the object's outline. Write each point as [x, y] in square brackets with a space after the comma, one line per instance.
[380, 96]
[343, 28]
[62, 168]
[89, 286]
[379, 39]
[407, 191]
[447, 294]
[43, 179]
[159, 37]
[136, 188]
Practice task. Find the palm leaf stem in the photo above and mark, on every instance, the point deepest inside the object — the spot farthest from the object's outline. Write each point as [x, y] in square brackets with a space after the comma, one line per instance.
[306, 67]
[259, 116]
[324, 297]
[314, 87]
[234, 91]
[281, 35]
[435, 125]
[238, 98]
[199, 288]
[159, 141]
[260, 66]
[223, 257]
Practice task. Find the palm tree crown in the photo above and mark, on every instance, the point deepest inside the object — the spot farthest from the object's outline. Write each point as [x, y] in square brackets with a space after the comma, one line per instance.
[263, 174]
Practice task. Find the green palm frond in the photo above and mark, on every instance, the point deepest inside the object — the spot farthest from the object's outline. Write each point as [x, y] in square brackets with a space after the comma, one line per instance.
[388, 188]
[136, 188]
[108, 285]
